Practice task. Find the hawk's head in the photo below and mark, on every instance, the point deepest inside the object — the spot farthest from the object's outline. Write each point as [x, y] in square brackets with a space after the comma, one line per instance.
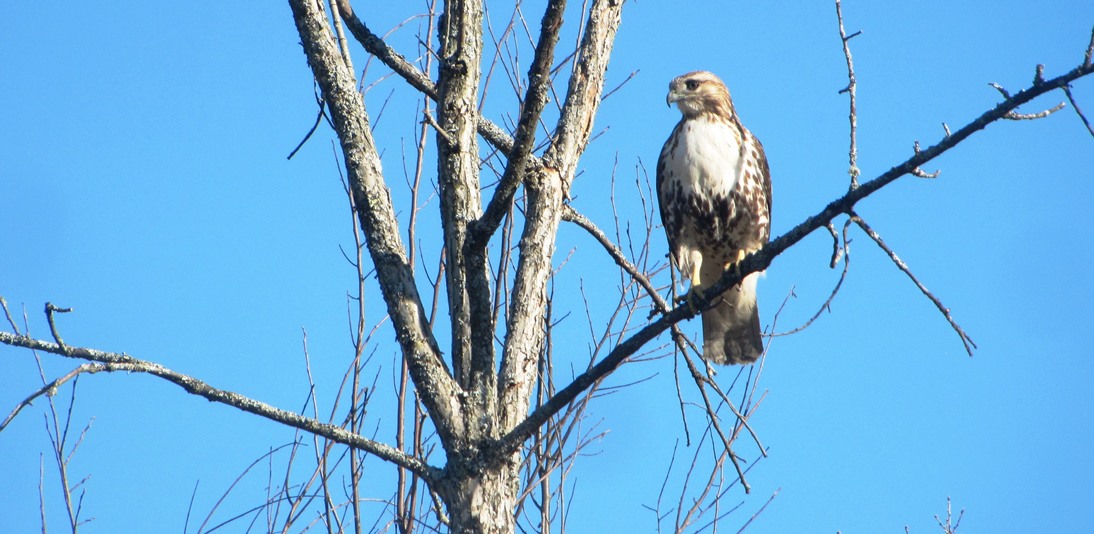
[699, 93]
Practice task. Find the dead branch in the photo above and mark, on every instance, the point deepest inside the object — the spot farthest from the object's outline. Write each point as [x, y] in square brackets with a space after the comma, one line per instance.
[545, 190]
[51, 388]
[852, 154]
[197, 387]
[407, 492]
[535, 99]
[1079, 112]
[569, 214]
[377, 218]
[843, 251]
[760, 511]
[949, 526]
[459, 38]
[417, 79]
[1038, 78]
[1033, 116]
[965, 339]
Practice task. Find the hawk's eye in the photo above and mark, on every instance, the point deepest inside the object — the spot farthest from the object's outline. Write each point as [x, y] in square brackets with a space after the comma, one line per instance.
[692, 85]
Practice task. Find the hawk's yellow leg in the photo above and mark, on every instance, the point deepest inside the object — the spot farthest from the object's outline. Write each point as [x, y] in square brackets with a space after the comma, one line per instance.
[695, 292]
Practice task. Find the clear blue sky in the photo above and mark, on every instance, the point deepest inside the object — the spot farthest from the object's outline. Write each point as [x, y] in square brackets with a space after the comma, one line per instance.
[144, 182]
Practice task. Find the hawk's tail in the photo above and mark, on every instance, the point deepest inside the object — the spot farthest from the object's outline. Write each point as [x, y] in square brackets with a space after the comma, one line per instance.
[731, 329]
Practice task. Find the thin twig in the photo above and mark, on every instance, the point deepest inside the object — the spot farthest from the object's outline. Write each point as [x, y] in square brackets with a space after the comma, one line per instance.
[1002, 91]
[569, 214]
[209, 516]
[620, 86]
[340, 32]
[965, 339]
[1089, 51]
[1075, 106]
[41, 490]
[760, 511]
[50, 389]
[852, 155]
[7, 315]
[837, 250]
[50, 309]
[920, 173]
[726, 440]
[845, 251]
[1014, 116]
[318, 119]
[428, 119]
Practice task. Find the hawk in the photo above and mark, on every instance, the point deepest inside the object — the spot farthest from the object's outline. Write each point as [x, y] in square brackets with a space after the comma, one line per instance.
[714, 191]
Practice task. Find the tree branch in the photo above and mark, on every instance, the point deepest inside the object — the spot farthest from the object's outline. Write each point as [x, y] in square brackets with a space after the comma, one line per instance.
[569, 214]
[1079, 112]
[121, 362]
[583, 96]
[50, 389]
[376, 216]
[546, 186]
[460, 40]
[965, 339]
[852, 84]
[535, 99]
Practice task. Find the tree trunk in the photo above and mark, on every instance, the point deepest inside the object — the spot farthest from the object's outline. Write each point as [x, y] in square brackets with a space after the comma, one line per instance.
[480, 495]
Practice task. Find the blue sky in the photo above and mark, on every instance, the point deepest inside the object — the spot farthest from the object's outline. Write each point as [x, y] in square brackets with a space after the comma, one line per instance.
[144, 183]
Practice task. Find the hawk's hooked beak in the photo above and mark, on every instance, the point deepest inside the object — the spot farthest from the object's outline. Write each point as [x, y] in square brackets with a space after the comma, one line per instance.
[672, 97]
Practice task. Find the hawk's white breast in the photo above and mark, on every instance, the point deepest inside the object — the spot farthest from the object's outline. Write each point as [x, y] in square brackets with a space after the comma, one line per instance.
[707, 159]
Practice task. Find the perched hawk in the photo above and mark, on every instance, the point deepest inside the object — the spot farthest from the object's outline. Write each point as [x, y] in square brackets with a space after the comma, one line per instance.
[714, 189]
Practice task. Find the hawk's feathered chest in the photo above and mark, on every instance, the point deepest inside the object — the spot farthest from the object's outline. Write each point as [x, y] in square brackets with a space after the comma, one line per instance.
[714, 189]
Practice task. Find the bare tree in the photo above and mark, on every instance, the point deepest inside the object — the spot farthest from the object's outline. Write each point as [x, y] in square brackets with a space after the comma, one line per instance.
[487, 426]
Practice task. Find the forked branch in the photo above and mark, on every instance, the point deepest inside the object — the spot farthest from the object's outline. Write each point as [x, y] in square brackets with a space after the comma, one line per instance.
[112, 361]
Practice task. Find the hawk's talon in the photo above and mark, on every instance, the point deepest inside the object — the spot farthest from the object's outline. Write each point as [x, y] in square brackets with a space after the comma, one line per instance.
[735, 265]
[693, 298]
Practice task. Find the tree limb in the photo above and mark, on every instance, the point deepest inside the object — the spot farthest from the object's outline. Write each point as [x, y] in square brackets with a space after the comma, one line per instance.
[546, 187]
[50, 389]
[417, 79]
[460, 40]
[112, 361]
[515, 170]
[376, 216]
[535, 99]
